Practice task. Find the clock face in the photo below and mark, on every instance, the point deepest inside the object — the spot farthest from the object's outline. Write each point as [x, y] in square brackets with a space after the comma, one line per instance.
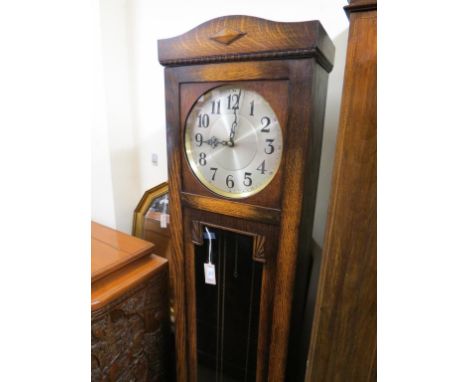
[233, 141]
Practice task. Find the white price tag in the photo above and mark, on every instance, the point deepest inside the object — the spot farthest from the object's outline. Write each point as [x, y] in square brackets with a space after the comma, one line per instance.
[210, 274]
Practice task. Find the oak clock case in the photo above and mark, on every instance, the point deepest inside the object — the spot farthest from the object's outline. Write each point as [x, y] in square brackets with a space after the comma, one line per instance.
[245, 104]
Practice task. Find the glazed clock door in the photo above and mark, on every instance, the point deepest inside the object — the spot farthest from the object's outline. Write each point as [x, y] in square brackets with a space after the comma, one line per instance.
[228, 266]
[228, 306]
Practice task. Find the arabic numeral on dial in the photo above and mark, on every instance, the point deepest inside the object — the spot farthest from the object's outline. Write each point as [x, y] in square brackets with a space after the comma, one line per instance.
[233, 101]
[270, 148]
[215, 107]
[199, 139]
[261, 168]
[202, 159]
[203, 120]
[265, 123]
[230, 181]
[247, 179]
[214, 169]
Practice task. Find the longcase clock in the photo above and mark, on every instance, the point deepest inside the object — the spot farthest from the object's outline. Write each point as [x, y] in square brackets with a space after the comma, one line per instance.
[245, 102]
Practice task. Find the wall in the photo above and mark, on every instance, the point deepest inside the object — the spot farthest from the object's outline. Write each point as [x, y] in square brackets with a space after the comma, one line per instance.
[134, 86]
[102, 195]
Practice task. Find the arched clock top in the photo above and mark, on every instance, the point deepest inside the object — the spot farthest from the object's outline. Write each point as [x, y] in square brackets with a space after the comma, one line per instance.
[246, 38]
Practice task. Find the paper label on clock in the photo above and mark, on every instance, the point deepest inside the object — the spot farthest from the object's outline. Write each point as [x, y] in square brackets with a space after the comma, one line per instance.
[210, 274]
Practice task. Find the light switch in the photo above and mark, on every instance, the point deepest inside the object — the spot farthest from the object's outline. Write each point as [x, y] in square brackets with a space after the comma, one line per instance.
[154, 159]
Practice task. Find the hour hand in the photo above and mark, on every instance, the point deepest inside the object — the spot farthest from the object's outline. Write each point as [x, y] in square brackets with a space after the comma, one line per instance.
[214, 142]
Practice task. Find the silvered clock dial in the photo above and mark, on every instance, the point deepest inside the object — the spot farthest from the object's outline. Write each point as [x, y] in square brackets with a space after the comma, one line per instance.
[233, 141]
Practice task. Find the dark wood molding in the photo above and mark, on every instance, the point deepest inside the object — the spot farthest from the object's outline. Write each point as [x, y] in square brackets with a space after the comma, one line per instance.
[231, 208]
[360, 6]
[245, 39]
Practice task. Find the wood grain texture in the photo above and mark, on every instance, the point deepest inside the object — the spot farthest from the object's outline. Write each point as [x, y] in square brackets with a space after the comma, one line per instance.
[143, 205]
[299, 329]
[232, 208]
[160, 237]
[130, 334]
[301, 166]
[343, 344]
[112, 250]
[177, 267]
[307, 81]
[280, 212]
[111, 287]
[256, 39]
[360, 6]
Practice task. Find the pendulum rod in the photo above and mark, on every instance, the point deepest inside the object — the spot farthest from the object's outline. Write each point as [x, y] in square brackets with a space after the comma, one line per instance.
[223, 299]
[250, 322]
[218, 311]
[235, 259]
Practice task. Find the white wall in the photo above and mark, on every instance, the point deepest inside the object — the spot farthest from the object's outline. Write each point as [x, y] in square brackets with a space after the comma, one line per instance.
[135, 89]
[102, 195]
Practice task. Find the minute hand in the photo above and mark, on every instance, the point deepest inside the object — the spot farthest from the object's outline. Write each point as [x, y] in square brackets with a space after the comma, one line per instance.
[233, 131]
[234, 124]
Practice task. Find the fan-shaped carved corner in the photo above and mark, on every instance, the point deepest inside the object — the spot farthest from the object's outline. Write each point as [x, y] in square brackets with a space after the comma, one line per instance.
[197, 234]
[259, 248]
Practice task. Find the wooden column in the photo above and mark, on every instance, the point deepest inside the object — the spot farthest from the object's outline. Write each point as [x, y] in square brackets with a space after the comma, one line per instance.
[343, 342]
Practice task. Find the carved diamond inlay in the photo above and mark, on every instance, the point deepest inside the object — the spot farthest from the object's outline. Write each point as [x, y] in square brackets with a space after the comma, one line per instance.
[227, 36]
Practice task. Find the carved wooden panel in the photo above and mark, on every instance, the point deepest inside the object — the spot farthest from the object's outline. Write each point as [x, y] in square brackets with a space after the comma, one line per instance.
[197, 234]
[259, 248]
[227, 36]
[129, 336]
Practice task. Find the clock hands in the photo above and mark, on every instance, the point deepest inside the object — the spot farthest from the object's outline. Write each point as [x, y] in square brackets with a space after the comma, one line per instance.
[214, 142]
[233, 130]
[234, 124]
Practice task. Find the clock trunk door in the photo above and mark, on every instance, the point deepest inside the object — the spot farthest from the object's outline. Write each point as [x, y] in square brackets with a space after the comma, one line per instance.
[228, 304]
[229, 275]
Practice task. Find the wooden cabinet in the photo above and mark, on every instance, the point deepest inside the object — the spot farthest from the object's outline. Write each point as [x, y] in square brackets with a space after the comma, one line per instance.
[343, 345]
[129, 309]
